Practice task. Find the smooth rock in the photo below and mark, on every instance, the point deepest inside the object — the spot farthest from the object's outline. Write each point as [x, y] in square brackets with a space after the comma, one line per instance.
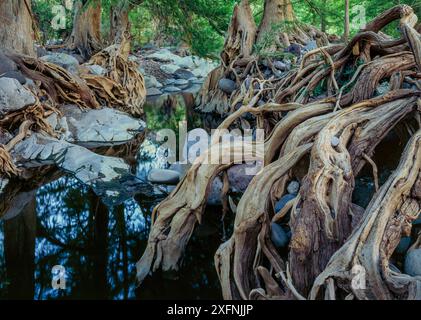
[169, 81]
[311, 45]
[172, 89]
[5, 136]
[183, 74]
[413, 263]
[14, 75]
[169, 68]
[63, 60]
[382, 89]
[13, 96]
[227, 85]
[283, 201]
[335, 141]
[164, 176]
[6, 64]
[164, 55]
[106, 126]
[278, 236]
[153, 92]
[187, 62]
[238, 177]
[293, 187]
[295, 49]
[182, 83]
[151, 82]
[97, 70]
[280, 65]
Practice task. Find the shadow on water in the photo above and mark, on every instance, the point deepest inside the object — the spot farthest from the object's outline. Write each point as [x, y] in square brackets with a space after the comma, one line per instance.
[65, 223]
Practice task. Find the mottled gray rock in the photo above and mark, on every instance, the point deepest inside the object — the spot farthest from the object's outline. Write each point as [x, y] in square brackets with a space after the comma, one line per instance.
[204, 67]
[226, 85]
[283, 201]
[187, 62]
[13, 96]
[183, 74]
[5, 137]
[311, 45]
[214, 197]
[151, 82]
[278, 236]
[335, 141]
[164, 55]
[413, 262]
[6, 64]
[181, 83]
[63, 60]
[164, 176]
[238, 178]
[14, 75]
[382, 89]
[97, 70]
[169, 68]
[403, 245]
[153, 92]
[280, 65]
[172, 89]
[293, 187]
[169, 81]
[104, 126]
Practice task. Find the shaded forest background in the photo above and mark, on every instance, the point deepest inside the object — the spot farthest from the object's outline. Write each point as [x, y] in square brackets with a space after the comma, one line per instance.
[201, 24]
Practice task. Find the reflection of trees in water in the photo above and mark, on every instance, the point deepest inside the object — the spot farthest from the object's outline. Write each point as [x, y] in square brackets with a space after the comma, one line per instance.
[99, 248]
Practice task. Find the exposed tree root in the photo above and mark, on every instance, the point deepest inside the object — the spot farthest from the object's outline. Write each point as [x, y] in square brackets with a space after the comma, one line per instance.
[322, 130]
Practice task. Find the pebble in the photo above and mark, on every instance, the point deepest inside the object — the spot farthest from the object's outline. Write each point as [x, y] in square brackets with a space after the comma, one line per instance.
[164, 176]
[293, 187]
[278, 236]
[227, 85]
[283, 201]
[413, 263]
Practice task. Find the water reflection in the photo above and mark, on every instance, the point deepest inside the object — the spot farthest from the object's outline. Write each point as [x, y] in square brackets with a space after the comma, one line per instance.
[66, 223]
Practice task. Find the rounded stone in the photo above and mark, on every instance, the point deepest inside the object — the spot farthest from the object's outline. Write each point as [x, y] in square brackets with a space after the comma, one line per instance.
[413, 263]
[283, 201]
[227, 85]
[403, 245]
[278, 236]
[293, 187]
[164, 176]
[335, 141]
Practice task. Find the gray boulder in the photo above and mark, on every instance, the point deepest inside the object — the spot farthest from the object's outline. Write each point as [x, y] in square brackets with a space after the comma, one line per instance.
[164, 176]
[283, 201]
[293, 187]
[153, 92]
[169, 68]
[14, 75]
[13, 96]
[183, 74]
[181, 83]
[413, 263]
[63, 60]
[151, 82]
[6, 64]
[311, 45]
[403, 245]
[227, 85]
[96, 69]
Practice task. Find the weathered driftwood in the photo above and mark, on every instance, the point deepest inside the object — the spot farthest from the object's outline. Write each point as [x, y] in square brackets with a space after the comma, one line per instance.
[323, 141]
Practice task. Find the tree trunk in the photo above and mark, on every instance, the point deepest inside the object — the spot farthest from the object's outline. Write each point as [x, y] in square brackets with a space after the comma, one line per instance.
[346, 28]
[119, 22]
[16, 29]
[86, 33]
[275, 12]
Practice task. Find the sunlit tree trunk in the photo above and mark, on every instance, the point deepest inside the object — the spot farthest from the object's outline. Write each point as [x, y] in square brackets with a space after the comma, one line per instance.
[346, 27]
[86, 33]
[275, 11]
[119, 19]
[16, 26]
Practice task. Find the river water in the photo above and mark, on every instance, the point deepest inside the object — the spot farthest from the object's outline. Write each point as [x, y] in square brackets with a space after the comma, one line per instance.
[66, 224]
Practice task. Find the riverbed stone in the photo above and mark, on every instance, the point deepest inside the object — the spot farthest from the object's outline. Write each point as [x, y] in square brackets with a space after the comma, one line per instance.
[403, 245]
[181, 83]
[151, 82]
[169, 68]
[14, 75]
[227, 85]
[283, 201]
[6, 64]
[278, 236]
[106, 126]
[413, 263]
[97, 69]
[153, 92]
[183, 74]
[334, 141]
[63, 60]
[293, 187]
[164, 176]
[382, 88]
[13, 96]
[172, 89]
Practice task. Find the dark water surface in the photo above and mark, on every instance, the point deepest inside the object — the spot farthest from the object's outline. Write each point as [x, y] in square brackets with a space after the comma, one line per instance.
[65, 223]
